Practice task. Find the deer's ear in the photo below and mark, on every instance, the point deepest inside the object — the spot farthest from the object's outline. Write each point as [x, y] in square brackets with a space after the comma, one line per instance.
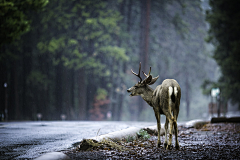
[147, 80]
[153, 80]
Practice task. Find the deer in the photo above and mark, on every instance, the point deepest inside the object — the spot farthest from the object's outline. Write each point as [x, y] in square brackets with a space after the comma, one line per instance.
[165, 99]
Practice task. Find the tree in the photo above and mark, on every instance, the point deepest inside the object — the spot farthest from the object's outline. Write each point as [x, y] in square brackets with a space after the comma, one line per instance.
[224, 33]
[87, 53]
[144, 42]
[14, 22]
[74, 49]
[13, 19]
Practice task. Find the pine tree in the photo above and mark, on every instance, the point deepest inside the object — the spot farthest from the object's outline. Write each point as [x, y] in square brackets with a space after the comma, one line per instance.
[225, 35]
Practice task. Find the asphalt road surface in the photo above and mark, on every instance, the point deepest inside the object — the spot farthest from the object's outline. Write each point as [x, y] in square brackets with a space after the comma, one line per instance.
[28, 140]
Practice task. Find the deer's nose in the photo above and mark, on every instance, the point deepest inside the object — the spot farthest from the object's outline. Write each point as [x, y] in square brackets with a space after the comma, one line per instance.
[128, 90]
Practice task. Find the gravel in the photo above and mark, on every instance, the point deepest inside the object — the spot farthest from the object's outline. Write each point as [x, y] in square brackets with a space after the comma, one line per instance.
[211, 141]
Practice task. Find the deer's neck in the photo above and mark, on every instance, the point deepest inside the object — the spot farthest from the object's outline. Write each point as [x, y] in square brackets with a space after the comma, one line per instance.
[148, 95]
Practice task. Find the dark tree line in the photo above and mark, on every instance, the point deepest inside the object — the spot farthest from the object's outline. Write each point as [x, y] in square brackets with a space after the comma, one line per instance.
[74, 57]
[224, 33]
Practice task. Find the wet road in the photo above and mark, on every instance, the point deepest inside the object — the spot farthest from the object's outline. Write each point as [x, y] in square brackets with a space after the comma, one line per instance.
[27, 140]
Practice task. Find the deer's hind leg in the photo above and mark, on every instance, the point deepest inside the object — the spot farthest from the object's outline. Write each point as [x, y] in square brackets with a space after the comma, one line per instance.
[166, 132]
[171, 120]
[175, 114]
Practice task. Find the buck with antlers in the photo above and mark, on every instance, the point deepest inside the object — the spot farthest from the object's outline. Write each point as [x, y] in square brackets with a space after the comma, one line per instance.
[165, 99]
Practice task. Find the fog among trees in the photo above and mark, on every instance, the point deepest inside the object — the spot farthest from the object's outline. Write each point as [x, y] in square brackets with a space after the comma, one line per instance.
[74, 58]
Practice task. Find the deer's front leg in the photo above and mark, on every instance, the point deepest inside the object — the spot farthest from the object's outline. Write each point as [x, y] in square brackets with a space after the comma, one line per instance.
[157, 115]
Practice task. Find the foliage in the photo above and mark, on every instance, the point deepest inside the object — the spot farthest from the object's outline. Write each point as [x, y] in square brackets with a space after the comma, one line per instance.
[13, 19]
[207, 87]
[143, 134]
[101, 94]
[100, 105]
[130, 138]
[224, 34]
[39, 79]
[179, 51]
[96, 27]
[76, 57]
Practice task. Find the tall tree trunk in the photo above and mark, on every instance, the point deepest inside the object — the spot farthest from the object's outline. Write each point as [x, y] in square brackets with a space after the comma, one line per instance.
[67, 92]
[121, 99]
[120, 95]
[144, 42]
[58, 91]
[24, 84]
[72, 107]
[129, 16]
[26, 66]
[3, 88]
[123, 67]
[146, 39]
[16, 95]
[144, 36]
[187, 85]
[117, 81]
[112, 104]
[47, 90]
[131, 108]
[82, 94]
[90, 91]
[14, 110]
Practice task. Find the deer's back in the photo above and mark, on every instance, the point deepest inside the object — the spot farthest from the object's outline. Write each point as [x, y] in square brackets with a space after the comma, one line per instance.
[161, 93]
[170, 83]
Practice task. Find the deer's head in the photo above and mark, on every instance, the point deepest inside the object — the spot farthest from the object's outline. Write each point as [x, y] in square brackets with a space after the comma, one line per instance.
[140, 87]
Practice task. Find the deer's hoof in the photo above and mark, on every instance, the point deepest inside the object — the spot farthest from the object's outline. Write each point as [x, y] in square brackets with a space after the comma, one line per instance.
[158, 144]
[170, 147]
[177, 147]
[165, 145]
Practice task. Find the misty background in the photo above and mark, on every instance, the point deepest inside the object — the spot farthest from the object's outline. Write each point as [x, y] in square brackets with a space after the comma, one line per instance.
[72, 59]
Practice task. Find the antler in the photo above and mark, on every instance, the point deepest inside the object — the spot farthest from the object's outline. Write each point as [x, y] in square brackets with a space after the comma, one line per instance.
[138, 75]
[148, 73]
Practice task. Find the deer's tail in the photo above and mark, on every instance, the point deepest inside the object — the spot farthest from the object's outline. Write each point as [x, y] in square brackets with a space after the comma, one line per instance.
[172, 93]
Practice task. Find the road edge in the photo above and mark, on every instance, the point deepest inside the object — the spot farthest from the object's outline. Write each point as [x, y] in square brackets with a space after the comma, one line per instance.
[53, 156]
[117, 135]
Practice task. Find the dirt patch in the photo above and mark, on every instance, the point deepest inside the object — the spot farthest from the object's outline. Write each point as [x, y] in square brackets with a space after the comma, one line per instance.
[212, 141]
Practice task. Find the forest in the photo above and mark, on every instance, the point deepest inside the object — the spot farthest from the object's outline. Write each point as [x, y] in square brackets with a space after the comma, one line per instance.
[72, 60]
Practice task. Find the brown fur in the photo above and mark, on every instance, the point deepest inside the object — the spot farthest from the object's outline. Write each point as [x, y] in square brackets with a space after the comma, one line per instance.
[162, 103]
